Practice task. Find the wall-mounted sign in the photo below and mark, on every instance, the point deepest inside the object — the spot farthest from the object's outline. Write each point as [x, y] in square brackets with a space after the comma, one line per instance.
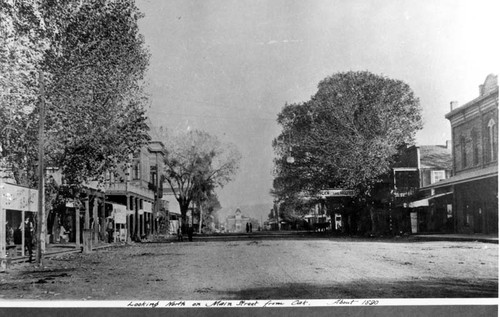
[337, 193]
[119, 213]
[19, 198]
[147, 206]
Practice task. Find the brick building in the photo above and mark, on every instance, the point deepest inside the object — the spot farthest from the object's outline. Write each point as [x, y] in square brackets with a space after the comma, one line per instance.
[474, 182]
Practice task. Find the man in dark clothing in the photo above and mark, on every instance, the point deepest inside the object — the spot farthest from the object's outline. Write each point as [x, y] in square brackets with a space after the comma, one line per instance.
[179, 234]
[110, 229]
[190, 233]
[28, 238]
[250, 227]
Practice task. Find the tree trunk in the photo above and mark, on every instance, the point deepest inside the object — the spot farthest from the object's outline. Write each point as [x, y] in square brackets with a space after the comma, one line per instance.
[184, 205]
[95, 231]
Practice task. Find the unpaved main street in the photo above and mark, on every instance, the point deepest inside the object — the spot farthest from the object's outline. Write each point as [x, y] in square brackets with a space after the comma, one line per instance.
[262, 269]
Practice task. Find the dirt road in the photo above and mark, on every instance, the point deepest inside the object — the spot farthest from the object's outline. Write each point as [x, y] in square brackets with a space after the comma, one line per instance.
[262, 269]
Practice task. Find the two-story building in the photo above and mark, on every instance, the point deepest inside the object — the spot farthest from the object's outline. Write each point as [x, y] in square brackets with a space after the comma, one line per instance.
[138, 187]
[397, 203]
[418, 167]
[237, 222]
[474, 183]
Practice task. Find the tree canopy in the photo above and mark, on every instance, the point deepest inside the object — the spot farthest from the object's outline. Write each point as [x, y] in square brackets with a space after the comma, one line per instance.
[345, 136]
[94, 61]
[21, 53]
[196, 163]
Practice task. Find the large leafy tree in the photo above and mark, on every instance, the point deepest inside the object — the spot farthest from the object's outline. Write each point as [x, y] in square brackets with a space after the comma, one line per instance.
[21, 53]
[97, 63]
[346, 136]
[94, 60]
[196, 164]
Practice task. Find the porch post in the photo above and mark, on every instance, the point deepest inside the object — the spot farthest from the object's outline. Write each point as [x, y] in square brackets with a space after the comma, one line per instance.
[3, 240]
[23, 242]
[87, 213]
[96, 221]
[77, 227]
[129, 207]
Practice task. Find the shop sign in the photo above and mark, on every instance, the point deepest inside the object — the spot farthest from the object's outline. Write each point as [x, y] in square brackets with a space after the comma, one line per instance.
[19, 198]
[119, 213]
[337, 193]
[414, 222]
[147, 206]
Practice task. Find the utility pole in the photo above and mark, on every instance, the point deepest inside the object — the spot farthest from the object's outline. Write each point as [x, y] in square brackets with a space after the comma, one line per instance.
[41, 175]
[3, 242]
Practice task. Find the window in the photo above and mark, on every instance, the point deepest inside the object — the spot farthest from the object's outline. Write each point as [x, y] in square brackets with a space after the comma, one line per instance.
[136, 172]
[492, 142]
[475, 147]
[436, 176]
[152, 174]
[463, 151]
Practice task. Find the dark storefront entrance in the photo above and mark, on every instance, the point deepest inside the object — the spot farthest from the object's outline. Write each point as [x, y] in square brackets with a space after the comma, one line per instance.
[477, 206]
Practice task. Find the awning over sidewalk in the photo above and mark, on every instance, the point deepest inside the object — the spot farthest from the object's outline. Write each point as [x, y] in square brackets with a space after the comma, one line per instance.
[465, 177]
[425, 202]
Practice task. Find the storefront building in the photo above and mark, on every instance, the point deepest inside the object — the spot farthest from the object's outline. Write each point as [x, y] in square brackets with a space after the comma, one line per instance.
[137, 188]
[420, 166]
[17, 204]
[475, 162]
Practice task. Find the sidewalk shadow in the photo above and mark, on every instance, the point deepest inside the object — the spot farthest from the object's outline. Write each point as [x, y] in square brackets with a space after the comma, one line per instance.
[438, 288]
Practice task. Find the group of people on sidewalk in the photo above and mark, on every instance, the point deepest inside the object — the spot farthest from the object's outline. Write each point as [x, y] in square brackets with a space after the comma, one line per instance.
[249, 227]
[64, 234]
[14, 236]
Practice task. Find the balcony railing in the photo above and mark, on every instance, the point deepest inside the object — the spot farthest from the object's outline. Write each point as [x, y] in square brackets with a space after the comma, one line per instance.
[131, 188]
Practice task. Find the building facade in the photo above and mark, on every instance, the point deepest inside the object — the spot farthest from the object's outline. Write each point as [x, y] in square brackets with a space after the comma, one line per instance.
[138, 187]
[237, 222]
[419, 167]
[474, 183]
[397, 204]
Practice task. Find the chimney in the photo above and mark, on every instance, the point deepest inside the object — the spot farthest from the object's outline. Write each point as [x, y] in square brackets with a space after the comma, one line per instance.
[453, 105]
[481, 90]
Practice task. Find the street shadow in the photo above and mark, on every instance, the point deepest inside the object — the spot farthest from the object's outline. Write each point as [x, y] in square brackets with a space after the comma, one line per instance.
[438, 288]
[155, 254]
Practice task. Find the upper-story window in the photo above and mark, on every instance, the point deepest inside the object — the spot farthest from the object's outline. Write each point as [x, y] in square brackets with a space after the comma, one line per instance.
[436, 176]
[463, 151]
[136, 172]
[475, 147]
[492, 140]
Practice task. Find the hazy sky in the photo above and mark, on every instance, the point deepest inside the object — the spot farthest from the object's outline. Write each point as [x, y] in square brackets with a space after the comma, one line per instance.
[228, 67]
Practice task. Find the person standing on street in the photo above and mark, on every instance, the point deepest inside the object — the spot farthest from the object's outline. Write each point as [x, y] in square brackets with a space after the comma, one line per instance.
[248, 228]
[110, 229]
[190, 232]
[179, 234]
[28, 237]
